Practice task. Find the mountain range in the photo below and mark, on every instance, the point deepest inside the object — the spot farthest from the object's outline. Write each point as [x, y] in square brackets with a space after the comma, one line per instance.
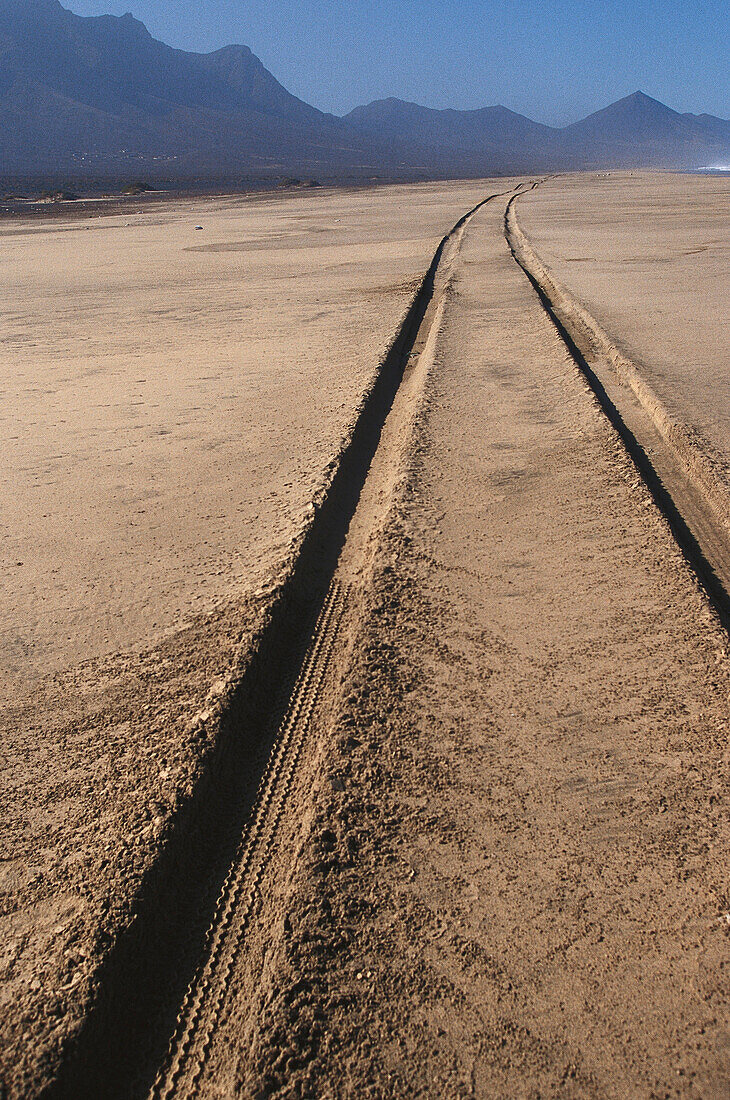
[100, 96]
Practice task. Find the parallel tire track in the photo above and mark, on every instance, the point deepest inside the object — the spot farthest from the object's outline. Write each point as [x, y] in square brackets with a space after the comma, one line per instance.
[175, 937]
[203, 1006]
[684, 487]
[237, 899]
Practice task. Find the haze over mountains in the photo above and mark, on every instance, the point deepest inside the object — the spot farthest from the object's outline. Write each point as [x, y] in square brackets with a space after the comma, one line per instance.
[636, 131]
[99, 96]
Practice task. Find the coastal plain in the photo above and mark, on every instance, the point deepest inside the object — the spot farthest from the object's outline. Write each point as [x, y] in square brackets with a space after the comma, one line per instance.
[648, 255]
[172, 399]
[492, 861]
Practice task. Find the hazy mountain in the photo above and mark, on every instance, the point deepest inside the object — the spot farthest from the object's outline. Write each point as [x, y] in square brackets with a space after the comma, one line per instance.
[637, 130]
[718, 127]
[638, 118]
[493, 128]
[101, 96]
[93, 92]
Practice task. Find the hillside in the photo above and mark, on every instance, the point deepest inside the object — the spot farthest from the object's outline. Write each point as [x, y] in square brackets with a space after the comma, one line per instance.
[86, 93]
[636, 131]
[101, 96]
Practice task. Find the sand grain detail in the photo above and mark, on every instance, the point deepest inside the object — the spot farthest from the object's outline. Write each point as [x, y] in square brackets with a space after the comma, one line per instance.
[513, 882]
[487, 853]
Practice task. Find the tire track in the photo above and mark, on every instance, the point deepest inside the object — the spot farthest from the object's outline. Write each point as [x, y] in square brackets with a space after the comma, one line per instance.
[168, 972]
[237, 899]
[684, 487]
[203, 1007]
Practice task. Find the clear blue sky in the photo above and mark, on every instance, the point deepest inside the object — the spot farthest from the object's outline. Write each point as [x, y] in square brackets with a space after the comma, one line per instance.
[554, 60]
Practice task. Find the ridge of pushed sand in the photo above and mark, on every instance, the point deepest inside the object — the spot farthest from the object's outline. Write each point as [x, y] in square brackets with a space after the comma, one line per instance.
[641, 263]
[513, 879]
[203, 384]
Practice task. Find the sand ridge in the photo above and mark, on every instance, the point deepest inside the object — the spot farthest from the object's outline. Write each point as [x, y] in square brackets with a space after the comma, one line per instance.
[496, 866]
[648, 255]
[152, 542]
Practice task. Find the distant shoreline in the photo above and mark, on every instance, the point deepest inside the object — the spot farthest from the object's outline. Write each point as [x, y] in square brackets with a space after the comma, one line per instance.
[48, 199]
[44, 199]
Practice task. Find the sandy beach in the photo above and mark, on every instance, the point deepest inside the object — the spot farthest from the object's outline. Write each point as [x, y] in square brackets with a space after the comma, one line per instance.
[359, 676]
[649, 256]
[171, 397]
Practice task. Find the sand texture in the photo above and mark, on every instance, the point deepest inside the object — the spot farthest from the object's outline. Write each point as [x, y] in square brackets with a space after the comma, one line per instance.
[370, 738]
[172, 401]
[649, 257]
[514, 884]
[172, 396]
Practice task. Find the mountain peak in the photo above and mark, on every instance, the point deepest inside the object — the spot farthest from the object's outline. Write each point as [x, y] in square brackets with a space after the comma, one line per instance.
[233, 52]
[642, 101]
[127, 24]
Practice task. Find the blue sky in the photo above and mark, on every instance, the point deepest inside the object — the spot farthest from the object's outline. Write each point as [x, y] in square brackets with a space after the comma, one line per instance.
[554, 60]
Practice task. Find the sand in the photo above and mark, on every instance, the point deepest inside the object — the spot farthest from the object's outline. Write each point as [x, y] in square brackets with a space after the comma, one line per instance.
[649, 255]
[487, 854]
[171, 397]
[172, 400]
[514, 882]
